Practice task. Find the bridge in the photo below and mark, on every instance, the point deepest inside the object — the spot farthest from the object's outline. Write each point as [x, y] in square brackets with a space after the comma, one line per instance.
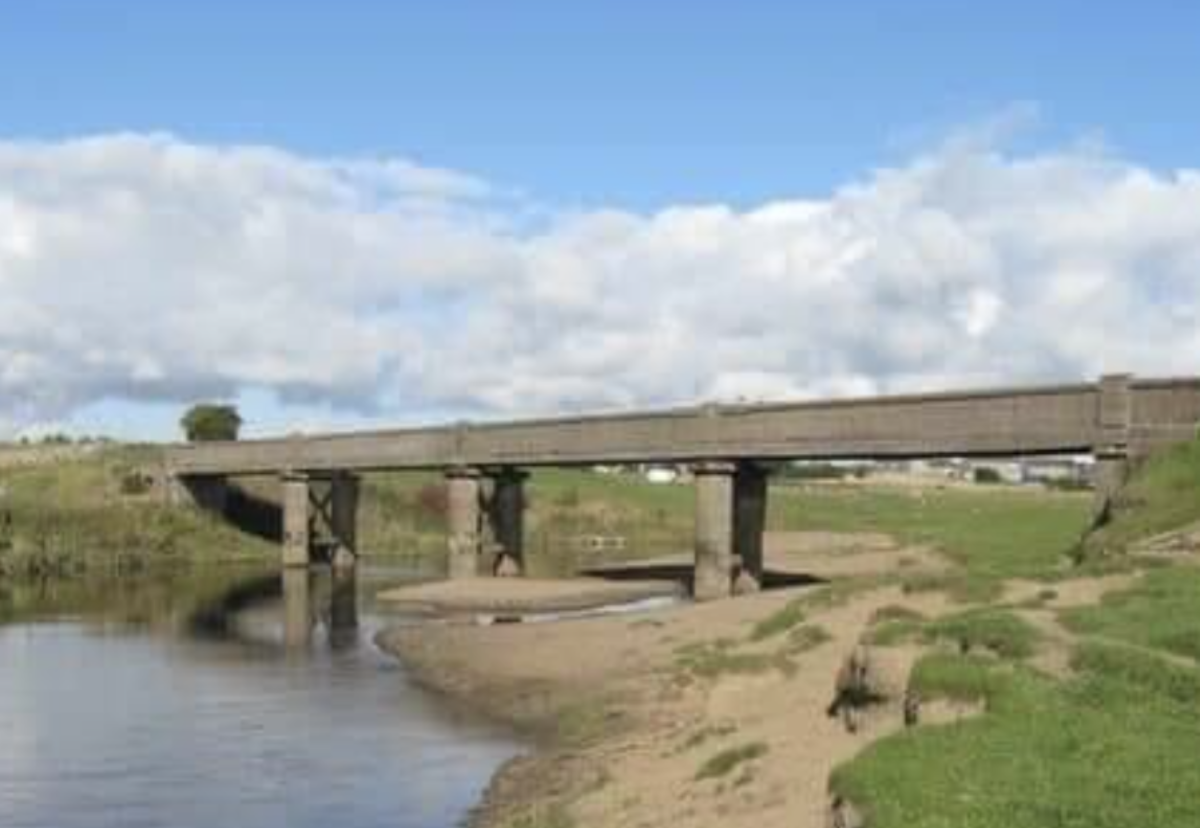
[1117, 419]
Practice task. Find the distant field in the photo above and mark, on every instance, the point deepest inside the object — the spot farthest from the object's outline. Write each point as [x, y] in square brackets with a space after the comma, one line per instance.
[991, 533]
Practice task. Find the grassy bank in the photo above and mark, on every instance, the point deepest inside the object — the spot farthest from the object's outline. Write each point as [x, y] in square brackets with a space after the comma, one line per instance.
[1109, 744]
[99, 513]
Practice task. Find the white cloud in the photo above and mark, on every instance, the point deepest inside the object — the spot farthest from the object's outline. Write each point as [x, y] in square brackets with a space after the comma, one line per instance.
[143, 267]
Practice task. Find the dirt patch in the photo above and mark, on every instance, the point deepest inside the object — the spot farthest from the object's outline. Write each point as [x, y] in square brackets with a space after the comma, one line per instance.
[828, 555]
[950, 711]
[631, 738]
[1183, 542]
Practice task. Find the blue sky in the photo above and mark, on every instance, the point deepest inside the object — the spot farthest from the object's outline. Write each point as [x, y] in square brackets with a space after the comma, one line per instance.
[640, 104]
[696, 145]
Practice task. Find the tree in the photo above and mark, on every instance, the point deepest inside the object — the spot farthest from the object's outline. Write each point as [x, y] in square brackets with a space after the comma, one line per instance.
[206, 422]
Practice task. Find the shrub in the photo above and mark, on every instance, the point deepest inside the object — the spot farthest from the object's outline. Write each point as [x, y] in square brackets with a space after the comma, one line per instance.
[433, 501]
[206, 422]
[986, 475]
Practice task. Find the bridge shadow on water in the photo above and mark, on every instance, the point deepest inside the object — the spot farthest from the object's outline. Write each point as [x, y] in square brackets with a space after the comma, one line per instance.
[682, 574]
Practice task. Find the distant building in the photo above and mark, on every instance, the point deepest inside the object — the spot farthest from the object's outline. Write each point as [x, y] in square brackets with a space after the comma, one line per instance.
[661, 474]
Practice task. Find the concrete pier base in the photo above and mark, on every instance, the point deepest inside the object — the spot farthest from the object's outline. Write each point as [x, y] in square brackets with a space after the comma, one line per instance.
[749, 523]
[714, 541]
[506, 516]
[464, 516]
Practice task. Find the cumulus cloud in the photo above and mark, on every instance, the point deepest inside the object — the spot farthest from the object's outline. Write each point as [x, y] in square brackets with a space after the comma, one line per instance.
[143, 267]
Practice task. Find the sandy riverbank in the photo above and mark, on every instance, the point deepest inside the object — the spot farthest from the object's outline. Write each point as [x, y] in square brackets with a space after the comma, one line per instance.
[630, 710]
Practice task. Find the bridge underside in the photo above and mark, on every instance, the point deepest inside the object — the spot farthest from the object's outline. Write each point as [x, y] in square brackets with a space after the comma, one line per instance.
[1115, 419]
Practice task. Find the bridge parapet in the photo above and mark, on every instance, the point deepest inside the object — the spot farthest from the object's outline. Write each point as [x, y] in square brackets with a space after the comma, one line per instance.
[1004, 422]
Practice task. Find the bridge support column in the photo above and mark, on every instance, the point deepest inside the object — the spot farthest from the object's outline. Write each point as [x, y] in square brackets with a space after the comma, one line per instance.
[1114, 417]
[713, 576]
[465, 522]
[209, 493]
[297, 520]
[320, 519]
[749, 523]
[506, 515]
[343, 520]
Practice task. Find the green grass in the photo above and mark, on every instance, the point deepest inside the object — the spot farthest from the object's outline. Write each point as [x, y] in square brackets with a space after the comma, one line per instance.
[1162, 611]
[956, 677]
[992, 535]
[74, 516]
[1112, 748]
[790, 615]
[723, 763]
[994, 630]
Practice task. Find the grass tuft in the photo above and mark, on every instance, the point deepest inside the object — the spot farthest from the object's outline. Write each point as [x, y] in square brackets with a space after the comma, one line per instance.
[724, 762]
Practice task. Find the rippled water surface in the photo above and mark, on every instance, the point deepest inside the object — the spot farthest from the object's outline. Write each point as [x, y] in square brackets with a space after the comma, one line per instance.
[238, 702]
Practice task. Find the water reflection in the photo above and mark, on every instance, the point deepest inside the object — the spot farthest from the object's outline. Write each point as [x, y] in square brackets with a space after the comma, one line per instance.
[324, 599]
[244, 698]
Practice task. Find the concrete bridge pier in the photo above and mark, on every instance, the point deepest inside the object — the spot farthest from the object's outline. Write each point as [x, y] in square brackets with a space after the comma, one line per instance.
[320, 518]
[731, 509]
[343, 519]
[464, 516]
[714, 539]
[506, 519]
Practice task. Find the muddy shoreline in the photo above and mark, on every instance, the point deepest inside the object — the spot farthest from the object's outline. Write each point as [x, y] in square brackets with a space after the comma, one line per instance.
[622, 714]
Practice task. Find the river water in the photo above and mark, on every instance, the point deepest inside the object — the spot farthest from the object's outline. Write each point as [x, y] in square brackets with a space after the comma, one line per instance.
[230, 699]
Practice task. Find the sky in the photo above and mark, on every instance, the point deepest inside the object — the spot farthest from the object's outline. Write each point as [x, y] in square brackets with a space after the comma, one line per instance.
[346, 214]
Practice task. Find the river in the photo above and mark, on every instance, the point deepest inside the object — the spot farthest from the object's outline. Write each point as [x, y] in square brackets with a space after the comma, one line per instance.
[195, 699]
